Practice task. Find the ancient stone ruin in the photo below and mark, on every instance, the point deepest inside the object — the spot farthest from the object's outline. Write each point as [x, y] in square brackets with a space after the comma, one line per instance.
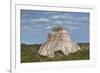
[58, 40]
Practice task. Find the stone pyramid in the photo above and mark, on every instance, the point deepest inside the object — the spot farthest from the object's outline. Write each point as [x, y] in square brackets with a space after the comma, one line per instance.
[58, 40]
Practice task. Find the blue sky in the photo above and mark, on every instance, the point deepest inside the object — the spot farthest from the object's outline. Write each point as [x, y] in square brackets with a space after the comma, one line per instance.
[36, 24]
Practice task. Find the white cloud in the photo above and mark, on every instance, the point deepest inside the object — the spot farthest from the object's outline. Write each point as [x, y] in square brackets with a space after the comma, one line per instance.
[68, 22]
[57, 22]
[40, 20]
[48, 27]
[57, 17]
[38, 26]
[52, 12]
[84, 18]
[71, 27]
[67, 17]
[72, 22]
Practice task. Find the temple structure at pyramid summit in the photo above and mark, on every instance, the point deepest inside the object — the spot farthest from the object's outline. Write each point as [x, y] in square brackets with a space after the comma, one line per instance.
[58, 40]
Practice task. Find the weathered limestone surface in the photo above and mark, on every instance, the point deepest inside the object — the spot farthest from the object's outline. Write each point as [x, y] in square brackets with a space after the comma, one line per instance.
[58, 40]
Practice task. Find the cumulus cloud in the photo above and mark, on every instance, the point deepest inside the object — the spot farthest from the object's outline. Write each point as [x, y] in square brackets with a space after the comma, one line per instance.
[84, 18]
[39, 20]
[71, 19]
[52, 12]
[48, 27]
[58, 22]
[57, 17]
[72, 22]
[71, 27]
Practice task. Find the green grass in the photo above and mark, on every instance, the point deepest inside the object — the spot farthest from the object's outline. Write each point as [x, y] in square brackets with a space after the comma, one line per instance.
[29, 54]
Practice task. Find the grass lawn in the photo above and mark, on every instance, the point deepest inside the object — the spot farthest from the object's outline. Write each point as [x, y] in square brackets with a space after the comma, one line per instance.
[29, 54]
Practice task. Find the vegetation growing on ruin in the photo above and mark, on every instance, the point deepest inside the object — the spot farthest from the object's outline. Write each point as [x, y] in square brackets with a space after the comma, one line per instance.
[29, 53]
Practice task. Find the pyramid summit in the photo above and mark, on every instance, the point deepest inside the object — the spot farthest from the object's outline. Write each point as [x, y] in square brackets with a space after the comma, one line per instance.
[58, 40]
